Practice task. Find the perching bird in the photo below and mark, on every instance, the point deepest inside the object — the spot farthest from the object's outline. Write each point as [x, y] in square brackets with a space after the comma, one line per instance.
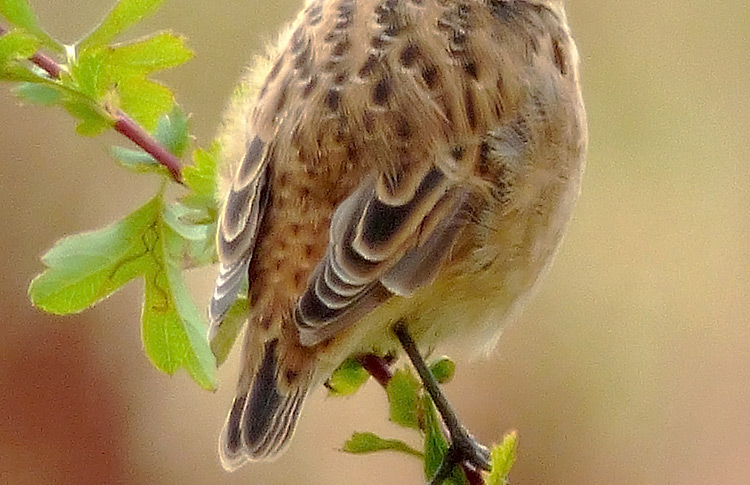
[403, 164]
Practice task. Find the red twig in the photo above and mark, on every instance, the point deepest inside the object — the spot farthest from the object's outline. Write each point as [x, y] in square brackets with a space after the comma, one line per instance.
[124, 124]
[134, 132]
[378, 367]
[47, 63]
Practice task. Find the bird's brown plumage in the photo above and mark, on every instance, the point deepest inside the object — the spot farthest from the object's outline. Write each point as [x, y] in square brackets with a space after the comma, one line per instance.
[395, 146]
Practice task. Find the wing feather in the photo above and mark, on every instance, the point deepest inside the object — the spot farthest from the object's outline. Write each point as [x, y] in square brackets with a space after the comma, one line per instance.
[378, 248]
[238, 228]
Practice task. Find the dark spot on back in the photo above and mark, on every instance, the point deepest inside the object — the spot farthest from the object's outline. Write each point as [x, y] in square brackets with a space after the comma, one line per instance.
[457, 152]
[341, 47]
[409, 54]
[333, 98]
[382, 91]
[378, 42]
[352, 152]
[403, 130]
[470, 67]
[369, 66]
[431, 76]
[470, 107]
[340, 78]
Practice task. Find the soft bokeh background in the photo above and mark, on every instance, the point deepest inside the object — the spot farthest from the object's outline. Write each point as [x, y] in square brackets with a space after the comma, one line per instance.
[631, 366]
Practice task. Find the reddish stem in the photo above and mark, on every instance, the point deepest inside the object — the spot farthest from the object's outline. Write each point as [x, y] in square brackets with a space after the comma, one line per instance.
[472, 476]
[378, 367]
[134, 132]
[124, 124]
[47, 63]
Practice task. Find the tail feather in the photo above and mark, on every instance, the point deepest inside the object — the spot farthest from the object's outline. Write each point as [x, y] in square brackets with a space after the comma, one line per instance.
[262, 420]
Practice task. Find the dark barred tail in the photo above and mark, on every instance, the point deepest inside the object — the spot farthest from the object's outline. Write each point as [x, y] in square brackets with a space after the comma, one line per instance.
[262, 420]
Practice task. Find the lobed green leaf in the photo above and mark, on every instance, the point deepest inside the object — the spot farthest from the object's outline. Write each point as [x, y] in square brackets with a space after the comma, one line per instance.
[20, 14]
[201, 178]
[86, 268]
[347, 379]
[14, 47]
[92, 121]
[173, 330]
[136, 160]
[123, 16]
[89, 75]
[172, 131]
[194, 229]
[41, 94]
[435, 444]
[144, 100]
[361, 443]
[403, 396]
[503, 458]
[160, 51]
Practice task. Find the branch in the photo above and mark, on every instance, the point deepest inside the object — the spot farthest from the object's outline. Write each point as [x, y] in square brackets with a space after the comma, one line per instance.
[380, 369]
[124, 124]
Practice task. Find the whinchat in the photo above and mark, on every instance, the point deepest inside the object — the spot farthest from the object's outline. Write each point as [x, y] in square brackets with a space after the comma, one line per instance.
[409, 163]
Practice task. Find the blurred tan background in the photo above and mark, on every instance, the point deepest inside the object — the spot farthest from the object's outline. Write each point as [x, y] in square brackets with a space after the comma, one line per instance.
[632, 365]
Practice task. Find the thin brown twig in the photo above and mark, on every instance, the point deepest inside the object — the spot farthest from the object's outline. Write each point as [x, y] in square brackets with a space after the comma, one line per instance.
[124, 124]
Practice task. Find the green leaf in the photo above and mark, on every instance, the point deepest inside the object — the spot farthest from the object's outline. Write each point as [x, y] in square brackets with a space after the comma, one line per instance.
[347, 379]
[123, 16]
[403, 396]
[136, 160]
[92, 120]
[361, 443]
[503, 457]
[42, 94]
[14, 47]
[160, 51]
[201, 177]
[191, 224]
[435, 445]
[20, 14]
[230, 328]
[173, 330]
[443, 369]
[89, 75]
[145, 101]
[194, 245]
[172, 131]
[86, 268]
[17, 45]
